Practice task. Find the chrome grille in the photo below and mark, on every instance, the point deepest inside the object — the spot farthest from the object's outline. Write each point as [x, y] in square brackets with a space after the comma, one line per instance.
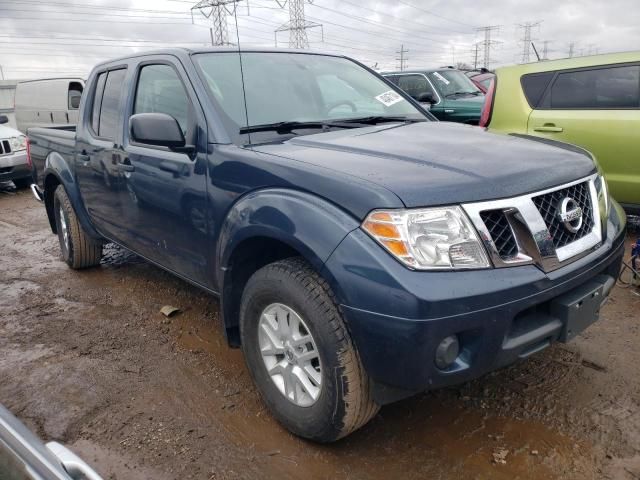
[5, 147]
[501, 233]
[548, 206]
[528, 229]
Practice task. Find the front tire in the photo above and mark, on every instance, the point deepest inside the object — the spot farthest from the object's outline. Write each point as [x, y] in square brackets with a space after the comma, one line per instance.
[77, 248]
[300, 353]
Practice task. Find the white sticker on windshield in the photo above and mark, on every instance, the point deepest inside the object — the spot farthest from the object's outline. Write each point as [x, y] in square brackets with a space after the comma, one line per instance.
[441, 78]
[389, 98]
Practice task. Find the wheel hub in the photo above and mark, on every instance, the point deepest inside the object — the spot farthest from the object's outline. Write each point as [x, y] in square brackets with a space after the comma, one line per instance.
[290, 354]
[65, 230]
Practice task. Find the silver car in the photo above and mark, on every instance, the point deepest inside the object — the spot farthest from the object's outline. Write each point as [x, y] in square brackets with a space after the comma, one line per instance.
[14, 161]
[24, 457]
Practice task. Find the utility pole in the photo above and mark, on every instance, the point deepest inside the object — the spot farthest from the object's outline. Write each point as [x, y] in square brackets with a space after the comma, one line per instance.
[476, 47]
[572, 47]
[545, 50]
[217, 11]
[526, 39]
[1, 72]
[487, 43]
[402, 59]
[297, 25]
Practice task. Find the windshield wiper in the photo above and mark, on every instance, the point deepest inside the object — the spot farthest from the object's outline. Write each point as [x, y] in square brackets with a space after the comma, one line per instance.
[375, 119]
[288, 127]
[460, 93]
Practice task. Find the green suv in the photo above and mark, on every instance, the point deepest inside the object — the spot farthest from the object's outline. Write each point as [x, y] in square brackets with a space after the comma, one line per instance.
[446, 92]
[592, 102]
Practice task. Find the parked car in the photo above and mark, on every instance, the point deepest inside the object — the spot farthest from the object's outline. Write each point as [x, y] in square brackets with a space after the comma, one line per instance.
[361, 254]
[592, 102]
[481, 78]
[48, 102]
[23, 456]
[447, 92]
[14, 161]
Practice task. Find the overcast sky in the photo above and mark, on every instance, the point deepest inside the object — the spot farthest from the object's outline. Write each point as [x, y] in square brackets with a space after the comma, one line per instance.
[47, 38]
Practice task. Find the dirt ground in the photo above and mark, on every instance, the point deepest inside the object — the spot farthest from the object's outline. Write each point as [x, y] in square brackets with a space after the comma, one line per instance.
[87, 359]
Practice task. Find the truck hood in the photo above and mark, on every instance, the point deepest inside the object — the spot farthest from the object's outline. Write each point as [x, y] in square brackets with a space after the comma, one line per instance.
[433, 163]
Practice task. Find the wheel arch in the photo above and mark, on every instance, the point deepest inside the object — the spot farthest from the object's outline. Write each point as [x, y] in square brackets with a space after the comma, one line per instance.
[271, 225]
[57, 172]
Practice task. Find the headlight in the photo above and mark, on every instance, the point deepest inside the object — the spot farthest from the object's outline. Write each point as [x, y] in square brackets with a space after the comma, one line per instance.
[428, 238]
[603, 195]
[18, 143]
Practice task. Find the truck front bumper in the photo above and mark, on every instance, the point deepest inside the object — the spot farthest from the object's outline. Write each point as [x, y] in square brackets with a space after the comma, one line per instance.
[14, 166]
[398, 317]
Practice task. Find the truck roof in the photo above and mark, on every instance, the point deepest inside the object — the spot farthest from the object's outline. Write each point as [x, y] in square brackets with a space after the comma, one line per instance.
[184, 51]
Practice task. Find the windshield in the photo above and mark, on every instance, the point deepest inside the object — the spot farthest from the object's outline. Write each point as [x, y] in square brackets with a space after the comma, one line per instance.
[453, 82]
[292, 87]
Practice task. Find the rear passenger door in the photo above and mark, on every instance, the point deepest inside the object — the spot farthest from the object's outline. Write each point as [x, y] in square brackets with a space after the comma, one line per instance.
[164, 209]
[597, 108]
[97, 170]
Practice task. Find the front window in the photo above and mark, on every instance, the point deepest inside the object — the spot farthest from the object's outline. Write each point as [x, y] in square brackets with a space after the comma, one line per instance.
[292, 87]
[452, 83]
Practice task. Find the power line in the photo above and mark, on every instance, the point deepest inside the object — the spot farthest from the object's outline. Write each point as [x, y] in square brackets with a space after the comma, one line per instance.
[420, 24]
[297, 25]
[545, 50]
[217, 11]
[434, 14]
[526, 39]
[402, 59]
[488, 43]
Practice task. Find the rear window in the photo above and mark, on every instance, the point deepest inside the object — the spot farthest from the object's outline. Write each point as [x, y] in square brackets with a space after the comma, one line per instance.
[602, 88]
[415, 85]
[534, 86]
[97, 102]
[110, 108]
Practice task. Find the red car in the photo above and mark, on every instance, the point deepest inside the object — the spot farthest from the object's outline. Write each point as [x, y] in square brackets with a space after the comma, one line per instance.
[481, 79]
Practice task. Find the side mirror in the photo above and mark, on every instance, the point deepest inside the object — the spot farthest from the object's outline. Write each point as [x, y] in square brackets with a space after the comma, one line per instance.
[426, 97]
[4, 119]
[157, 129]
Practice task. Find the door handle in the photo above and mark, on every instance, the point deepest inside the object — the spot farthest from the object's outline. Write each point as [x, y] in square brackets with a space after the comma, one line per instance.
[548, 127]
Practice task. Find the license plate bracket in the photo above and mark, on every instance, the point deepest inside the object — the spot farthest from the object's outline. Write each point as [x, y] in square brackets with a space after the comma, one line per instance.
[578, 309]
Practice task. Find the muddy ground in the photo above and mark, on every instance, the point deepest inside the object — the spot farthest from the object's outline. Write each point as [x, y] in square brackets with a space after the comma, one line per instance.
[87, 359]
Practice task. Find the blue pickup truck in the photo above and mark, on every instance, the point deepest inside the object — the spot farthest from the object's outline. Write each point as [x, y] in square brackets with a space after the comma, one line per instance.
[362, 251]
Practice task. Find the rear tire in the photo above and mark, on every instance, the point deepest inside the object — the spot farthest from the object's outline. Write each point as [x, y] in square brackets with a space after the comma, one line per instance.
[77, 248]
[344, 401]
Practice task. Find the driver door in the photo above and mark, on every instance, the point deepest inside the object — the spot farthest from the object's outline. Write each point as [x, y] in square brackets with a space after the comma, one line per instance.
[164, 202]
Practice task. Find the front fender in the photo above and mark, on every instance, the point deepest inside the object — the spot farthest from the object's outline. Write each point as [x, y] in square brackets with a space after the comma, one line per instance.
[57, 171]
[259, 225]
[307, 223]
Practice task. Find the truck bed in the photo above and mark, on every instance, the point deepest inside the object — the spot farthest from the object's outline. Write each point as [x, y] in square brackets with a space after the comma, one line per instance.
[45, 140]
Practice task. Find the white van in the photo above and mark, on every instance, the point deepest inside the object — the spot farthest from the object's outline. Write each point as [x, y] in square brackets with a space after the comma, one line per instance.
[50, 102]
